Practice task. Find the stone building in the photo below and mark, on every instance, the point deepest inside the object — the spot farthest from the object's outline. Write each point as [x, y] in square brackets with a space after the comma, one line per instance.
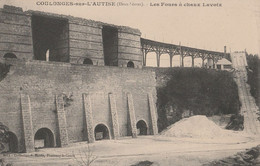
[71, 79]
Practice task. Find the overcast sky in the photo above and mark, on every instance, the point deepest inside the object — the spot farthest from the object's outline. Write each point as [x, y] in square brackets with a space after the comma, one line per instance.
[233, 24]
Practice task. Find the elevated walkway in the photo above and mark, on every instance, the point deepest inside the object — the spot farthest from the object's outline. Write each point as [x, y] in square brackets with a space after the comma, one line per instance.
[249, 108]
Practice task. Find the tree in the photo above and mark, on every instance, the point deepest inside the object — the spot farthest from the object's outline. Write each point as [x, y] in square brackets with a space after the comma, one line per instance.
[200, 91]
[85, 157]
[253, 75]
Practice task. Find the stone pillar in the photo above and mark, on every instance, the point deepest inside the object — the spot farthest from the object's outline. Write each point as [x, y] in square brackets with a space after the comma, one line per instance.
[132, 114]
[158, 58]
[62, 123]
[144, 57]
[181, 57]
[89, 117]
[182, 60]
[113, 109]
[192, 61]
[152, 109]
[203, 62]
[27, 123]
[171, 56]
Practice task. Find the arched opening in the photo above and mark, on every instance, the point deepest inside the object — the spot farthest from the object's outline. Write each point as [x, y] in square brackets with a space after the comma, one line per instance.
[10, 55]
[141, 127]
[50, 34]
[187, 61]
[101, 132]
[176, 61]
[205, 63]
[151, 59]
[12, 142]
[88, 61]
[131, 64]
[197, 62]
[43, 138]
[165, 60]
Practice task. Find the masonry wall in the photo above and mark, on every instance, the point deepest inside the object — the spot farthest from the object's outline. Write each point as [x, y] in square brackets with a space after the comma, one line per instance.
[15, 33]
[42, 81]
[78, 39]
[85, 41]
[129, 47]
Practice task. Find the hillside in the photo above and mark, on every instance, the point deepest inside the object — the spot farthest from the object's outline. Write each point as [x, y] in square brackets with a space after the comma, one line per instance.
[194, 91]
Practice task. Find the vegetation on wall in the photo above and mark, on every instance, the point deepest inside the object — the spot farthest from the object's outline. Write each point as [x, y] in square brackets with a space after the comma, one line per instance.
[67, 99]
[253, 73]
[3, 136]
[201, 91]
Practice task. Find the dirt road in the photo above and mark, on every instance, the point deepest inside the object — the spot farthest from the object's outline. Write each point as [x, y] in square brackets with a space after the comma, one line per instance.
[158, 149]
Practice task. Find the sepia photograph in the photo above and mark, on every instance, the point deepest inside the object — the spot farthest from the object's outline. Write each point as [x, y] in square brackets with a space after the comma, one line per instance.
[129, 83]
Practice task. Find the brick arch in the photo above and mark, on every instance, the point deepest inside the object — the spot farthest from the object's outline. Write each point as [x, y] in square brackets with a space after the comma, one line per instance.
[101, 128]
[10, 55]
[82, 59]
[10, 139]
[12, 142]
[45, 134]
[88, 61]
[130, 64]
[142, 125]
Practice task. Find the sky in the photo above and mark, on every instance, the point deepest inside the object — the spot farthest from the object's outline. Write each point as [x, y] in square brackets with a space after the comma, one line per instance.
[234, 24]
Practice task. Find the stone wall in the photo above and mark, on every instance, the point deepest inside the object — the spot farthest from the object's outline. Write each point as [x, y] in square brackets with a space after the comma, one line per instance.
[78, 39]
[85, 41]
[15, 33]
[34, 93]
[129, 47]
[44, 81]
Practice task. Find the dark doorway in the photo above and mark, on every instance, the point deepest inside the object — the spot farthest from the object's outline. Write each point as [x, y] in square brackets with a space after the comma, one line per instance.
[88, 61]
[12, 142]
[50, 33]
[101, 132]
[10, 55]
[43, 138]
[110, 45]
[141, 127]
[131, 64]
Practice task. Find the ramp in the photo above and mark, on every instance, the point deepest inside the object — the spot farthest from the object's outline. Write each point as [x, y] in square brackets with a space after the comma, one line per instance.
[249, 108]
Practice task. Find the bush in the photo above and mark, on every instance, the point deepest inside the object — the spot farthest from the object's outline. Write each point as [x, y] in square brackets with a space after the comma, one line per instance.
[3, 136]
[202, 91]
[236, 122]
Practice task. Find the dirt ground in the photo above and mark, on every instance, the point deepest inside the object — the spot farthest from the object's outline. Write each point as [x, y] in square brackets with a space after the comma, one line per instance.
[160, 150]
